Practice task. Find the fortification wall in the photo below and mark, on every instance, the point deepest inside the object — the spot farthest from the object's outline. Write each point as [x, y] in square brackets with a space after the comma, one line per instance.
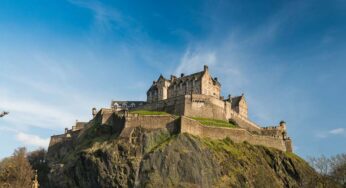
[150, 122]
[174, 105]
[237, 135]
[211, 107]
[273, 131]
[243, 122]
[57, 139]
[204, 106]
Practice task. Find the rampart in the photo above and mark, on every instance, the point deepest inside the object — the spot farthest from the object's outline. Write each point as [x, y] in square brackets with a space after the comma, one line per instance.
[125, 122]
[150, 122]
[57, 139]
[193, 127]
[197, 105]
[174, 105]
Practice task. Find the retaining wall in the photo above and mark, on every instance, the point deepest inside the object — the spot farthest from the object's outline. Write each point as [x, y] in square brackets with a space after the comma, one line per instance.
[149, 122]
[237, 135]
[57, 139]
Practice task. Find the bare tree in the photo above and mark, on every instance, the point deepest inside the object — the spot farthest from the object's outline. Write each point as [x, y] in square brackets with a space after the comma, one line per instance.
[15, 171]
[338, 169]
[332, 170]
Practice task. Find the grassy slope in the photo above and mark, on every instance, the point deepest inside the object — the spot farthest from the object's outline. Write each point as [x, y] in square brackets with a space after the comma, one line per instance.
[148, 112]
[214, 122]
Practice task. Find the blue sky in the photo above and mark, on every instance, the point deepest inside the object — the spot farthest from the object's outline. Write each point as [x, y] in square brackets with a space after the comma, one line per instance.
[58, 59]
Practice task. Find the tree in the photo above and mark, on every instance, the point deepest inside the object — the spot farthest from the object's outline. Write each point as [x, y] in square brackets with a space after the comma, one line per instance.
[38, 161]
[332, 170]
[15, 171]
[338, 169]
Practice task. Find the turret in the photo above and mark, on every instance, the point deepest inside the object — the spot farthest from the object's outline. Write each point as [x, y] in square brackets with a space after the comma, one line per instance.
[94, 112]
[283, 125]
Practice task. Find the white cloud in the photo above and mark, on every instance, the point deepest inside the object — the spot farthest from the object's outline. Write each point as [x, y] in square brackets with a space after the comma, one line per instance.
[321, 135]
[326, 134]
[193, 61]
[32, 140]
[104, 15]
[337, 131]
[33, 113]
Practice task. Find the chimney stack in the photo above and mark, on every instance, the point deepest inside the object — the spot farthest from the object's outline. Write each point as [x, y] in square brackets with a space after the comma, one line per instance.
[173, 77]
[205, 68]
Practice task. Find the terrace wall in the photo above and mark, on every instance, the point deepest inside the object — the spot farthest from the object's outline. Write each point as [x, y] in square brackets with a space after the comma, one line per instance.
[237, 135]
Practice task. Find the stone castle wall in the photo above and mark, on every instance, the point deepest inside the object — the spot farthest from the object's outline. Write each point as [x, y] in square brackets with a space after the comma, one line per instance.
[57, 139]
[174, 105]
[237, 135]
[149, 122]
[210, 107]
[124, 123]
[197, 105]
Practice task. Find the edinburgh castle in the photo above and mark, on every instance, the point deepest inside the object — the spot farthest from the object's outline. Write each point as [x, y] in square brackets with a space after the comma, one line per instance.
[183, 105]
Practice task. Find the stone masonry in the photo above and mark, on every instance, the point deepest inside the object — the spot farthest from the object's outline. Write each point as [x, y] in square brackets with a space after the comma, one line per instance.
[186, 97]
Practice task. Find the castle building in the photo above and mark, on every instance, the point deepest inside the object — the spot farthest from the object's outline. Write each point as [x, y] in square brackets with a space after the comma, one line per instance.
[185, 99]
[197, 83]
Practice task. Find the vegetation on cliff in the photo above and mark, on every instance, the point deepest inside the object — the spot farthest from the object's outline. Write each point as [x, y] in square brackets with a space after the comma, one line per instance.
[148, 112]
[214, 122]
[99, 158]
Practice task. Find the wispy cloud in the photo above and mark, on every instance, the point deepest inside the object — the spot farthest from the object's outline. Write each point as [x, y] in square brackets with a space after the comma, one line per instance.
[193, 61]
[337, 131]
[332, 132]
[32, 140]
[24, 114]
[104, 15]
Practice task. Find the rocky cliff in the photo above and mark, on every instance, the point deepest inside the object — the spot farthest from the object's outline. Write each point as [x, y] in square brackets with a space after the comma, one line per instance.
[98, 157]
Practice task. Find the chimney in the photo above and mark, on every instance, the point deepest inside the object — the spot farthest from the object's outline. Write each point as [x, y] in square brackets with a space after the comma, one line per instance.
[205, 68]
[66, 129]
[182, 75]
[173, 77]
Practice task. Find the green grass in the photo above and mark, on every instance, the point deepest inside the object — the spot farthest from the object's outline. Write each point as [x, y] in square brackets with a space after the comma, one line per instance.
[214, 122]
[148, 112]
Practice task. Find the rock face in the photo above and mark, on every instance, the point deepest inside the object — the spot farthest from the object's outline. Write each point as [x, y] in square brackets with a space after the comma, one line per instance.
[100, 158]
